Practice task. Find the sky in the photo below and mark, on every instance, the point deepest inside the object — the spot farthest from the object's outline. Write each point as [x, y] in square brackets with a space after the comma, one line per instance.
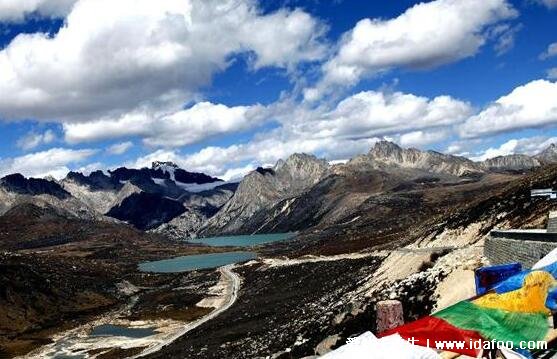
[224, 86]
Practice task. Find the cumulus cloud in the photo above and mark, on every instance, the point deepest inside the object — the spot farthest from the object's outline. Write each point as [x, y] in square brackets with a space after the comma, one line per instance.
[550, 52]
[53, 162]
[17, 10]
[529, 146]
[552, 73]
[529, 106]
[425, 36]
[188, 126]
[374, 113]
[34, 139]
[113, 58]
[120, 148]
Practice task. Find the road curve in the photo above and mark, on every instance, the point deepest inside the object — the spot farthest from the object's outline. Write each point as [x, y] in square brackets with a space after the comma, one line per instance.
[234, 282]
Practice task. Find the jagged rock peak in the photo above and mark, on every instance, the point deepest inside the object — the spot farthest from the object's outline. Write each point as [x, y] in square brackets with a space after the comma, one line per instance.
[385, 149]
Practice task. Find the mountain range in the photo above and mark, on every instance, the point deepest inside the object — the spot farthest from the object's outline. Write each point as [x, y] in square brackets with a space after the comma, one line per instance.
[298, 193]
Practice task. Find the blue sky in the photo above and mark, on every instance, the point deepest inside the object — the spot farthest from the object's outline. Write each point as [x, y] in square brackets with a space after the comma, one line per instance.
[224, 86]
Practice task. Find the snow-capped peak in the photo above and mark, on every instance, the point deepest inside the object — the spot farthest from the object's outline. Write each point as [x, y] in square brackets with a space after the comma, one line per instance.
[167, 167]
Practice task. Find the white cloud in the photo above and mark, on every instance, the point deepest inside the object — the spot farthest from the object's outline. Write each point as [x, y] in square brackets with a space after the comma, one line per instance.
[506, 148]
[464, 147]
[425, 36]
[17, 10]
[34, 139]
[422, 138]
[120, 148]
[528, 106]
[373, 113]
[53, 162]
[552, 73]
[113, 58]
[505, 37]
[528, 146]
[199, 122]
[550, 52]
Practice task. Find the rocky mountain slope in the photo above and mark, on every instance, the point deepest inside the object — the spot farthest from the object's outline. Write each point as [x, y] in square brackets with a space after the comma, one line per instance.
[97, 190]
[262, 189]
[16, 183]
[146, 210]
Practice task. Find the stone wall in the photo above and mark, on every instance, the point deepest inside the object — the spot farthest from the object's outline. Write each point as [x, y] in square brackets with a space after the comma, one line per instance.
[502, 247]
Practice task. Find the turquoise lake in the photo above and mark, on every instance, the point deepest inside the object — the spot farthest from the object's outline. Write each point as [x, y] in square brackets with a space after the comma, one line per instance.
[194, 262]
[243, 241]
